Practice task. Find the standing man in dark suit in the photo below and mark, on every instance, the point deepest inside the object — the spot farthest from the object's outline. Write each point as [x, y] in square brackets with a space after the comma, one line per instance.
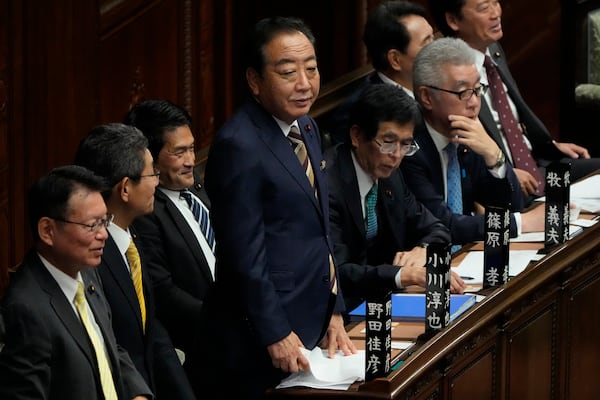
[393, 256]
[448, 89]
[394, 33]
[276, 286]
[59, 340]
[119, 153]
[479, 24]
[179, 257]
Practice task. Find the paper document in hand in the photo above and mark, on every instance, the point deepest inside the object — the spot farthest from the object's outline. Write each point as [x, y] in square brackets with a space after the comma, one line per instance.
[472, 265]
[328, 373]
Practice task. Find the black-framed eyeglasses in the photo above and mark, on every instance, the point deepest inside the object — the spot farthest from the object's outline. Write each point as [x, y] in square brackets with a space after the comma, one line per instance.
[155, 174]
[464, 94]
[95, 227]
[393, 147]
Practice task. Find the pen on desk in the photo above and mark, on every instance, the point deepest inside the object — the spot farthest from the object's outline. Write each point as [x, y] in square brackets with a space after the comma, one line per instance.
[467, 278]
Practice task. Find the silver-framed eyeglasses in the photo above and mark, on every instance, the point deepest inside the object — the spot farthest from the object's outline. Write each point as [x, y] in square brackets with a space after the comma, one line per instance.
[392, 147]
[94, 227]
[464, 94]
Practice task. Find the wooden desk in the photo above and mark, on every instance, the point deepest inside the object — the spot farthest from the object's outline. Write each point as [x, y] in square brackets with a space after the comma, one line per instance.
[535, 338]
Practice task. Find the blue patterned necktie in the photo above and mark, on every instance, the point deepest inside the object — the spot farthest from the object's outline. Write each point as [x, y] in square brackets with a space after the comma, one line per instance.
[454, 199]
[370, 214]
[201, 215]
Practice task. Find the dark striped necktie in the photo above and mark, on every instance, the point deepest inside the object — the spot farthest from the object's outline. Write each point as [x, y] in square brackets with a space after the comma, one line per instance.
[201, 214]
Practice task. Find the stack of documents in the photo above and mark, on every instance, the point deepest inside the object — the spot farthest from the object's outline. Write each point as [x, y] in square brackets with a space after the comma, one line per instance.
[328, 373]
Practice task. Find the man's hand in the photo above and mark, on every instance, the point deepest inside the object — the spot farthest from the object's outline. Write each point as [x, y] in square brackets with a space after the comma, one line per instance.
[286, 354]
[469, 132]
[572, 150]
[337, 338]
[416, 274]
[528, 183]
[533, 220]
[413, 258]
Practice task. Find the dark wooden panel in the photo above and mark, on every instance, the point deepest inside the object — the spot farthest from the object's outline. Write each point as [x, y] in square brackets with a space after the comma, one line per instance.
[476, 380]
[583, 347]
[530, 350]
[139, 58]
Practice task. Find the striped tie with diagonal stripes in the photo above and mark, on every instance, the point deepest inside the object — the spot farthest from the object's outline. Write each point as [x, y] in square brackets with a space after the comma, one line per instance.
[300, 150]
[135, 265]
[201, 215]
[106, 378]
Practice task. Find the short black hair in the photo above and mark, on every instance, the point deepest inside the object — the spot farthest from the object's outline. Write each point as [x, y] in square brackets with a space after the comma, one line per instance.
[439, 8]
[382, 103]
[49, 196]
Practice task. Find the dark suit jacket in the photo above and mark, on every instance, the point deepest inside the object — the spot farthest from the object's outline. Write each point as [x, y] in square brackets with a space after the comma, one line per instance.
[178, 269]
[273, 244]
[543, 150]
[48, 354]
[151, 351]
[423, 174]
[403, 223]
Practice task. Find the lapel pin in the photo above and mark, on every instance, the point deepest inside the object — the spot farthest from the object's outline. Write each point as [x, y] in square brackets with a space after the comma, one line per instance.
[388, 193]
[497, 54]
[323, 164]
[307, 127]
[91, 289]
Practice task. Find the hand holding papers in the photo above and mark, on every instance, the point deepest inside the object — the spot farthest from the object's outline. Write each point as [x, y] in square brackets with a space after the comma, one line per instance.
[328, 373]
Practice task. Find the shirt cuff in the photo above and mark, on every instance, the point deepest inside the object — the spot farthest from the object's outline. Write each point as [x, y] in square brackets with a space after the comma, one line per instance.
[398, 279]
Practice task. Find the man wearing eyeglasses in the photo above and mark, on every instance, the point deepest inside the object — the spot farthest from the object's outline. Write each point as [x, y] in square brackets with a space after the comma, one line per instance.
[392, 254]
[119, 153]
[55, 305]
[448, 89]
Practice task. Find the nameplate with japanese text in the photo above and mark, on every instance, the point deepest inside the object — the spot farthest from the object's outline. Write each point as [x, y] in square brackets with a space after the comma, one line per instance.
[496, 246]
[378, 340]
[437, 290]
[558, 184]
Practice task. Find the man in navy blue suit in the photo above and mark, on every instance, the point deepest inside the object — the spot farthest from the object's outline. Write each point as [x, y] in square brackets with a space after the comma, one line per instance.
[448, 89]
[276, 285]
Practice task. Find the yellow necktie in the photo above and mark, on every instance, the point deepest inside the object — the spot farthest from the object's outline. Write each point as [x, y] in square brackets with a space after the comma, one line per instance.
[106, 379]
[133, 258]
[300, 150]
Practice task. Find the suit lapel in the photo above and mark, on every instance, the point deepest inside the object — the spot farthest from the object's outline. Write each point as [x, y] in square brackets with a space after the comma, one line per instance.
[114, 262]
[186, 232]
[349, 181]
[62, 307]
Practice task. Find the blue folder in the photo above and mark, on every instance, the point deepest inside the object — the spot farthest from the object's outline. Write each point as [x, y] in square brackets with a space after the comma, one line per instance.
[411, 307]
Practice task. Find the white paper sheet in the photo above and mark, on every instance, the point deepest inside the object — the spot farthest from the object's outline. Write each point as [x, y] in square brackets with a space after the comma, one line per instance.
[472, 265]
[539, 236]
[328, 373]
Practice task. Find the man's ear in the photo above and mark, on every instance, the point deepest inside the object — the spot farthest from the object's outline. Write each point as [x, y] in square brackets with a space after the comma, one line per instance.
[424, 94]
[394, 57]
[452, 21]
[46, 230]
[355, 135]
[122, 189]
[253, 78]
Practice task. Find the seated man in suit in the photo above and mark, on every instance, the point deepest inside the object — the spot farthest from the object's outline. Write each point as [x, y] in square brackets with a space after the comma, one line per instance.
[460, 168]
[390, 252]
[394, 33]
[523, 138]
[179, 252]
[59, 341]
[119, 153]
